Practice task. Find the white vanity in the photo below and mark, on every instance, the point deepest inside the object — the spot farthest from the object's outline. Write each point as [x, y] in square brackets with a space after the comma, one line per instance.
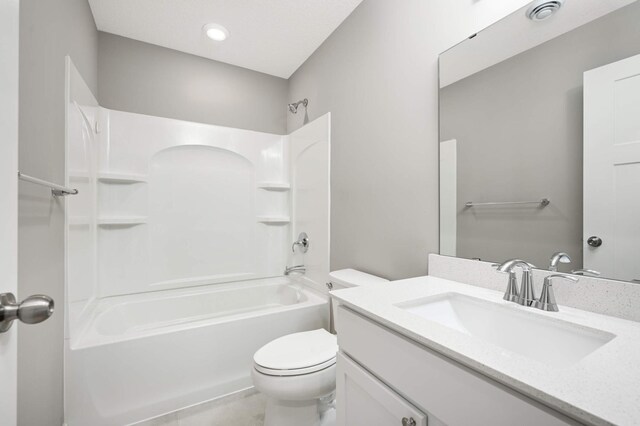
[433, 351]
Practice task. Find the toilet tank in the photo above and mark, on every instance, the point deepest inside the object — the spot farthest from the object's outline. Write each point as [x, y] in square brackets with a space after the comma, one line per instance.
[346, 278]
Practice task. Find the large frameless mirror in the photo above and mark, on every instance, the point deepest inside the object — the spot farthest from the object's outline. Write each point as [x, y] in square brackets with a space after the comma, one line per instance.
[540, 139]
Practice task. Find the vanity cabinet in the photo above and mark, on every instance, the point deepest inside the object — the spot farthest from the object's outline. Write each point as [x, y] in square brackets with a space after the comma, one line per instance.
[367, 401]
[384, 377]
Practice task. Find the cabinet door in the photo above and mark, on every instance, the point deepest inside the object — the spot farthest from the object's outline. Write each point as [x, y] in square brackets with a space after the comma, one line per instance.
[362, 400]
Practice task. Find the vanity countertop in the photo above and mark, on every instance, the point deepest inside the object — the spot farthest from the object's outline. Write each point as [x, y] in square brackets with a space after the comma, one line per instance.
[602, 388]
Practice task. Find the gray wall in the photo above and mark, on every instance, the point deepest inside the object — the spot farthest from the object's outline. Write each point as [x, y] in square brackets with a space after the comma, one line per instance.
[519, 131]
[147, 79]
[377, 74]
[49, 30]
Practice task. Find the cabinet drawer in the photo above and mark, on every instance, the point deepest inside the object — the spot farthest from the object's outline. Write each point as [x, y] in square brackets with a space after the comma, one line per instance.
[363, 400]
[449, 391]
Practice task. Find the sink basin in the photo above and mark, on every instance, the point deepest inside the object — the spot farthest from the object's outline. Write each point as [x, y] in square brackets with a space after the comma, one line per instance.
[554, 342]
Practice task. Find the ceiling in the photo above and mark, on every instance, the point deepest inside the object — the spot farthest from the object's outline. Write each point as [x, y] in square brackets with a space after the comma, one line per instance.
[271, 36]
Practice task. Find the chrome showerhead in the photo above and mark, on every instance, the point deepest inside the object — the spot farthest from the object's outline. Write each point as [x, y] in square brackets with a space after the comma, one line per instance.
[294, 106]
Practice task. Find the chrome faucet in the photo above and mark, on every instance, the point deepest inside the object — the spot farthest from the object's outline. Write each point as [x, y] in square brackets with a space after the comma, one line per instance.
[299, 268]
[559, 257]
[547, 301]
[525, 296]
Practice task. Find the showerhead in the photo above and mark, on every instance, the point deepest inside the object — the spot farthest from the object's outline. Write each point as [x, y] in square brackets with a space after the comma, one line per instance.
[294, 106]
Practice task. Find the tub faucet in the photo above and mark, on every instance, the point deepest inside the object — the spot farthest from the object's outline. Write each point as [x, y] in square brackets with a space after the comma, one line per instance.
[526, 295]
[299, 268]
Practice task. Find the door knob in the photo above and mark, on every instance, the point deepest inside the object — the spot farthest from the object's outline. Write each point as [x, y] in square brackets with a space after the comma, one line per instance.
[32, 310]
[408, 421]
[594, 241]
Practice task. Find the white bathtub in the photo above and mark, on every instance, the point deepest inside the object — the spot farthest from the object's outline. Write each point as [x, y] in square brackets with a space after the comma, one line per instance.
[143, 355]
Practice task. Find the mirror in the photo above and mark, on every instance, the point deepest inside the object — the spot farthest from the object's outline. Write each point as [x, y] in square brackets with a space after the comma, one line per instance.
[540, 140]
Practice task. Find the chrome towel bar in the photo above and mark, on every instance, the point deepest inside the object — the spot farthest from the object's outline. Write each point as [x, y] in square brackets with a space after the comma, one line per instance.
[57, 190]
[542, 203]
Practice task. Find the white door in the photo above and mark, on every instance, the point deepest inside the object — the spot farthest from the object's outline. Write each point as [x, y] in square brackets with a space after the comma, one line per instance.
[612, 169]
[9, 201]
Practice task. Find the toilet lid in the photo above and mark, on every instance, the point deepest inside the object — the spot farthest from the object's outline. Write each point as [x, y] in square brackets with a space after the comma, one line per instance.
[298, 353]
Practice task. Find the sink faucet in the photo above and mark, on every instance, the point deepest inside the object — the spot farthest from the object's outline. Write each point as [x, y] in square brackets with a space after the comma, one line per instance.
[559, 257]
[299, 268]
[547, 301]
[525, 296]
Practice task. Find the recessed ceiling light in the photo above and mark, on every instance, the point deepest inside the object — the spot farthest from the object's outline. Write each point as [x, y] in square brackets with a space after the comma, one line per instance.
[216, 32]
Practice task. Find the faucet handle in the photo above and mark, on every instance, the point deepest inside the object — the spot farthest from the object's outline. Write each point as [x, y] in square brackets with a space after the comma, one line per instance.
[303, 242]
[547, 301]
[586, 272]
[548, 278]
[511, 294]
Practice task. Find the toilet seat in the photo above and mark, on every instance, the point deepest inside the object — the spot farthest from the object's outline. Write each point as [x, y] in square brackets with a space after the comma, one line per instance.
[297, 354]
[297, 371]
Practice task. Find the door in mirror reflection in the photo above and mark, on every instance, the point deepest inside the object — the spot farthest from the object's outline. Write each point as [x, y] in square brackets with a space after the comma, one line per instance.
[612, 169]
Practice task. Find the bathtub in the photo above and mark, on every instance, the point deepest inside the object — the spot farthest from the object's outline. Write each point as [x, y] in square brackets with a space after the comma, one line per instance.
[144, 355]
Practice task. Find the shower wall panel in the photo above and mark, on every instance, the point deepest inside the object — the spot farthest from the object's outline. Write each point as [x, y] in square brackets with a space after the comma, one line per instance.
[183, 204]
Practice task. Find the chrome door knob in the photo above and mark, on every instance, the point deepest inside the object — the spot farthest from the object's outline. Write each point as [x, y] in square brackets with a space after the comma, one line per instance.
[594, 241]
[408, 422]
[32, 310]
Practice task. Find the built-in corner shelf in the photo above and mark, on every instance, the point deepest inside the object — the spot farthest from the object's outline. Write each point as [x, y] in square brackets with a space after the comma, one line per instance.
[274, 220]
[274, 186]
[121, 178]
[122, 220]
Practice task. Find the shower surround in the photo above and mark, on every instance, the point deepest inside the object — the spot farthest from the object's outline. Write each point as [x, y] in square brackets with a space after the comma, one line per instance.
[176, 247]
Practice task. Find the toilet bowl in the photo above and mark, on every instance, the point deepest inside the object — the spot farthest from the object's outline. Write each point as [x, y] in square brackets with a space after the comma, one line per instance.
[297, 372]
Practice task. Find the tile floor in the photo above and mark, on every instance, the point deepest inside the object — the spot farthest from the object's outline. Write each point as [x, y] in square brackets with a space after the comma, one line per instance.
[243, 408]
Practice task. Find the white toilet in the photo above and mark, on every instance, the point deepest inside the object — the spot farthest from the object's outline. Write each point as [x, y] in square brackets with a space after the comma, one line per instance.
[297, 372]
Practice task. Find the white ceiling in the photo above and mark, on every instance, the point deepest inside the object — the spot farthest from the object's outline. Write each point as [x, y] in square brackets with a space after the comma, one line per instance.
[270, 36]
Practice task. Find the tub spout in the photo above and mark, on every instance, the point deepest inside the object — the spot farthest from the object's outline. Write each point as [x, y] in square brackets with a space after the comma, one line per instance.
[299, 268]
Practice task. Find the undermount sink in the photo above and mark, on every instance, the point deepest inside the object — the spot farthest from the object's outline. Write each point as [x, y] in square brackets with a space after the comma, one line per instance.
[554, 342]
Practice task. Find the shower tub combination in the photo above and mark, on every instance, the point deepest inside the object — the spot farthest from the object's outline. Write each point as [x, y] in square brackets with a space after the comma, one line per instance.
[145, 355]
[172, 244]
